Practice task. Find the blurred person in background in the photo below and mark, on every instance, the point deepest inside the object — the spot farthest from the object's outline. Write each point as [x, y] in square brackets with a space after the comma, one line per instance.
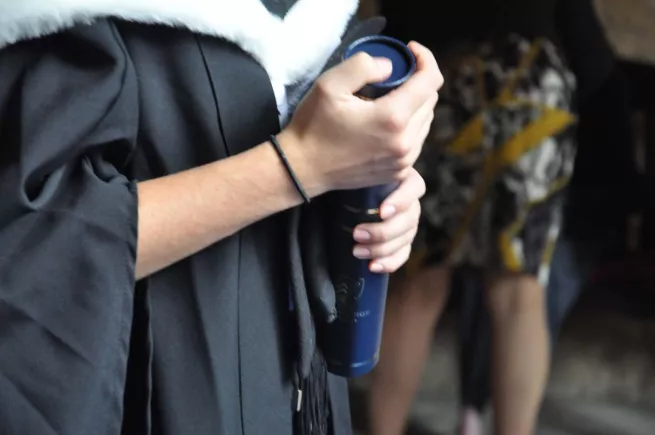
[591, 231]
[497, 163]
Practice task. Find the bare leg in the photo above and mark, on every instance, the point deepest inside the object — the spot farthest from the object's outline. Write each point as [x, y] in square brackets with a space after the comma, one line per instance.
[520, 352]
[413, 309]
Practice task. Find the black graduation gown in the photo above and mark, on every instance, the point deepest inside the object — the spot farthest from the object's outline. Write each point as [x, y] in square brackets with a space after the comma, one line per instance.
[204, 347]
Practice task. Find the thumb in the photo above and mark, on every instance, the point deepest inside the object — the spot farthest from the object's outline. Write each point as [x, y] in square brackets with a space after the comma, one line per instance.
[355, 73]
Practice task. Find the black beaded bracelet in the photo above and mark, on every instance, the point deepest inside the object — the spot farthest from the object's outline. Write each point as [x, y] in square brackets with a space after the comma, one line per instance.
[290, 171]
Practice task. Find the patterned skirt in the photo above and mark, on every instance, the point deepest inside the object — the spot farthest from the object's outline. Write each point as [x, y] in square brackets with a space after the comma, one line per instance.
[500, 153]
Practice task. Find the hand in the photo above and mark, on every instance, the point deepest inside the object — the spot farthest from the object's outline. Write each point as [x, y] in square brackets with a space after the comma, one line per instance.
[389, 243]
[337, 141]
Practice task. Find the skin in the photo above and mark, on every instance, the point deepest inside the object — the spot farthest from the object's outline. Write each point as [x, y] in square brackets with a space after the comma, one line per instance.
[335, 141]
[519, 359]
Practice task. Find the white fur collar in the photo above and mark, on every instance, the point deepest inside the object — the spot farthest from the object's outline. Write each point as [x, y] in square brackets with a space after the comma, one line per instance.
[288, 48]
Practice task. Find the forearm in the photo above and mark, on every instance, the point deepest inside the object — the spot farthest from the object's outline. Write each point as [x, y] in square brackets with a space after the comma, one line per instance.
[184, 213]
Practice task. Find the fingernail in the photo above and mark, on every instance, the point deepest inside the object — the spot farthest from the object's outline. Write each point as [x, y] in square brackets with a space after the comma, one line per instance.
[384, 64]
[376, 267]
[387, 211]
[360, 252]
[362, 235]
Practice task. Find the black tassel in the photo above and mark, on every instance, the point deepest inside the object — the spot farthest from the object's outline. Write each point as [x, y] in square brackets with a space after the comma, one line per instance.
[313, 400]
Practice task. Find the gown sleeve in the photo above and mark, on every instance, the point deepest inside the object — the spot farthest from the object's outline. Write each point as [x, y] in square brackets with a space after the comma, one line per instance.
[68, 232]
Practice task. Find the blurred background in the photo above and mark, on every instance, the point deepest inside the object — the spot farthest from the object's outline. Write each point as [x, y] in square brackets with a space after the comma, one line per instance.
[601, 298]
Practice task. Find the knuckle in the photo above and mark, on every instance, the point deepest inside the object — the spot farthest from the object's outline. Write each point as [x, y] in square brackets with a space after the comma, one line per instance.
[401, 149]
[407, 161]
[406, 254]
[374, 252]
[322, 87]
[400, 175]
[384, 251]
[399, 260]
[376, 234]
[431, 112]
[380, 235]
[394, 121]
[434, 73]
[378, 251]
[392, 264]
[416, 211]
[414, 225]
[404, 163]
[419, 213]
[438, 79]
[422, 188]
[409, 237]
[429, 54]
[430, 122]
[414, 234]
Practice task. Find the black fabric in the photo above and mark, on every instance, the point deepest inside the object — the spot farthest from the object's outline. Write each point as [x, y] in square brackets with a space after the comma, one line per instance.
[571, 24]
[440, 25]
[68, 232]
[585, 45]
[279, 7]
[205, 347]
[605, 159]
[475, 338]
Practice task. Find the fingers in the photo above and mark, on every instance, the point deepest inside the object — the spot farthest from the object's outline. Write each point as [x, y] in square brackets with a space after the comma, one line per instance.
[390, 237]
[418, 130]
[402, 222]
[353, 74]
[389, 243]
[425, 130]
[422, 86]
[423, 116]
[401, 199]
[392, 263]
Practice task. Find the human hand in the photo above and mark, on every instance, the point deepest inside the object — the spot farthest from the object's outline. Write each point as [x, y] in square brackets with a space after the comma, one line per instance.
[388, 244]
[337, 141]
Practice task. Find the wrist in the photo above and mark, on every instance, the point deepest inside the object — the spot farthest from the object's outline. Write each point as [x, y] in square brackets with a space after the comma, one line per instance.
[298, 153]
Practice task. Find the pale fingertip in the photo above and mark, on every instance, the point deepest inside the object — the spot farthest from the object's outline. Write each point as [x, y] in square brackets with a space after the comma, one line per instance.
[361, 252]
[387, 211]
[376, 267]
[361, 235]
[384, 65]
